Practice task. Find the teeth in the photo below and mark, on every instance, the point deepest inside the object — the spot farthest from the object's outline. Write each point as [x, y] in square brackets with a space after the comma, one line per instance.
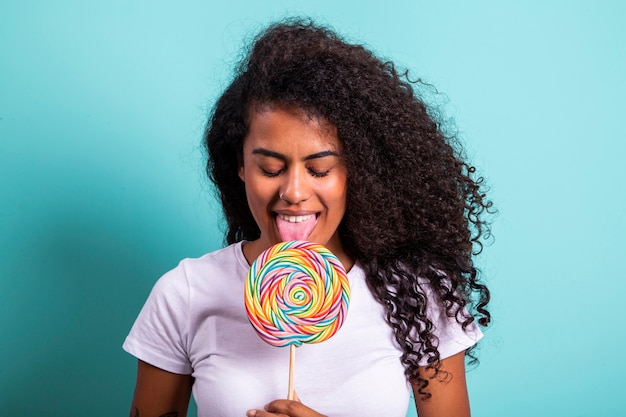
[295, 219]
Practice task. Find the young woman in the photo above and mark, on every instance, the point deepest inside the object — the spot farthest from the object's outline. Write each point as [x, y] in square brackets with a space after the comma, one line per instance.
[317, 139]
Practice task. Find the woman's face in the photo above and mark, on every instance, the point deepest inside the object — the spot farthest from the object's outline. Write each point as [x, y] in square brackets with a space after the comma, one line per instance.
[295, 180]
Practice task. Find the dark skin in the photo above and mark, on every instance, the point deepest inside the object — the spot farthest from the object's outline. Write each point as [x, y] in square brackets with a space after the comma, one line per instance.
[449, 397]
[159, 393]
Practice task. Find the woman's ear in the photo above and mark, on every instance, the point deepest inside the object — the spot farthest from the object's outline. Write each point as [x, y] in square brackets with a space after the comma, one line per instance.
[241, 172]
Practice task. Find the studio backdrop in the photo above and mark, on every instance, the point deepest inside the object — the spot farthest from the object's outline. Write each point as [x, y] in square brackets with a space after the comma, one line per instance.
[102, 110]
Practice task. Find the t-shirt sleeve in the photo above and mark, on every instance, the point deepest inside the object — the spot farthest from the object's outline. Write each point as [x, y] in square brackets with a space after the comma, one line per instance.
[160, 333]
[453, 338]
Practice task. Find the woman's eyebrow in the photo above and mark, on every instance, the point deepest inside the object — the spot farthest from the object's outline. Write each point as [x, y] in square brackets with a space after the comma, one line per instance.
[267, 152]
[320, 155]
[272, 154]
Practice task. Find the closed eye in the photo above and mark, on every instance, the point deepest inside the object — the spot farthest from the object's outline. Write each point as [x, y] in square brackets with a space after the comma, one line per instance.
[318, 174]
[271, 174]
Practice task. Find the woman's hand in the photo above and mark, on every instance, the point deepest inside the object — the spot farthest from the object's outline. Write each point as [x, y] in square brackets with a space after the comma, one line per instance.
[284, 408]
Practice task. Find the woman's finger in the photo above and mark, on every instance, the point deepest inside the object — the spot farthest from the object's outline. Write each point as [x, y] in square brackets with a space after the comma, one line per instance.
[291, 409]
[263, 413]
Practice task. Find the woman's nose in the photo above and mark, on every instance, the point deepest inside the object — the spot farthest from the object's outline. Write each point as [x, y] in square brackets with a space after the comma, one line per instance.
[295, 188]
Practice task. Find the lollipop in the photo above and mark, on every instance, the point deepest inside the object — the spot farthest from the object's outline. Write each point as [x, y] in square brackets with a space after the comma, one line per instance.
[296, 292]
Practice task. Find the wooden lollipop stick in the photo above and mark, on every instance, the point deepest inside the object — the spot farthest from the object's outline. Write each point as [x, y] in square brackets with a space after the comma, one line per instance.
[292, 363]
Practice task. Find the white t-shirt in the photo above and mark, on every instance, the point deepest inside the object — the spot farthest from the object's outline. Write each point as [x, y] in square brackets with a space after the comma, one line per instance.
[194, 322]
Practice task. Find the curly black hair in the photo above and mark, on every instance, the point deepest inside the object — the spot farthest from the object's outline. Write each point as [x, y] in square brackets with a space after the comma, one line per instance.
[414, 205]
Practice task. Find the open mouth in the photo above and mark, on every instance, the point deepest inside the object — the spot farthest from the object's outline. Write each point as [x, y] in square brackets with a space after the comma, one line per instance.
[295, 227]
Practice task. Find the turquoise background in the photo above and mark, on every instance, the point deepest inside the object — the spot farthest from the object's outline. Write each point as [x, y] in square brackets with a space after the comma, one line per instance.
[102, 107]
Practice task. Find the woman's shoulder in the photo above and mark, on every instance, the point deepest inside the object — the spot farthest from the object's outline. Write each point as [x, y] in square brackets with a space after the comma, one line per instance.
[231, 254]
[209, 268]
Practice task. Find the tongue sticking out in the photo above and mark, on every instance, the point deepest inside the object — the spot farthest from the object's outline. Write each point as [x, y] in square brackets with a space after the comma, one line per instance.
[295, 230]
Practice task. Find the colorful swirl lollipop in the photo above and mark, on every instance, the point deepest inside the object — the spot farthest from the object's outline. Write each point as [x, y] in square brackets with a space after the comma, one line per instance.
[296, 292]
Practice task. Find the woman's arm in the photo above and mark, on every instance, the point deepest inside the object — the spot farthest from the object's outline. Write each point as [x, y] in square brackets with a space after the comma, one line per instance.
[448, 394]
[159, 393]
